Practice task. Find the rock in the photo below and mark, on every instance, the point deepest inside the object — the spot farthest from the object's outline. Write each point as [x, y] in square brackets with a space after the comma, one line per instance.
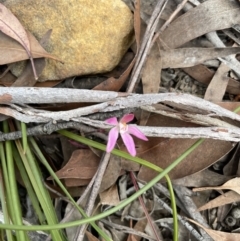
[89, 36]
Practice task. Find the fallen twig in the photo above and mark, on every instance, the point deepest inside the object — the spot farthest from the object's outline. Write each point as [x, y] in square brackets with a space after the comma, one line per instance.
[182, 101]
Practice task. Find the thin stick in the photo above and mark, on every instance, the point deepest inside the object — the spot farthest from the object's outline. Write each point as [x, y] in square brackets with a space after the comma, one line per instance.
[95, 190]
[191, 229]
[144, 207]
[172, 16]
[145, 46]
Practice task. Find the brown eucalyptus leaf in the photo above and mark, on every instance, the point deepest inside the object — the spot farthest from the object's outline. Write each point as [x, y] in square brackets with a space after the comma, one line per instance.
[224, 199]
[204, 75]
[217, 88]
[139, 226]
[11, 51]
[91, 237]
[186, 57]
[83, 164]
[229, 105]
[112, 173]
[151, 77]
[202, 178]
[27, 77]
[218, 235]
[11, 26]
[232, 167]
[162, 151]
[209, 16]
[110, 196]
[233, 184]
[151, 73]
[200, 73]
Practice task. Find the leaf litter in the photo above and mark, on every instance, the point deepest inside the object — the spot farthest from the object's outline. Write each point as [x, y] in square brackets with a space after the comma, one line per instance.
[186, 57]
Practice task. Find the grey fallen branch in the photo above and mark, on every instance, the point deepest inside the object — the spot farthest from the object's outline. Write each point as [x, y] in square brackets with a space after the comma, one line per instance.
[33, 95]
[219, 133]
[47, 129]
[182, 101]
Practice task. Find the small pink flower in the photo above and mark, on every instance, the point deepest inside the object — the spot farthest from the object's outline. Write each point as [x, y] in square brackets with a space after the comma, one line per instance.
[125, 131]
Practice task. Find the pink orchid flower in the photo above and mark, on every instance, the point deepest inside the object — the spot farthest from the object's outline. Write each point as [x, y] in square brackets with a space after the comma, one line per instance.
[125, 131]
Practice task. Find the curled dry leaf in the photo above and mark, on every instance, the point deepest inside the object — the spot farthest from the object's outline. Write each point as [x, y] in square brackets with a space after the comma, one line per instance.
[233, 184]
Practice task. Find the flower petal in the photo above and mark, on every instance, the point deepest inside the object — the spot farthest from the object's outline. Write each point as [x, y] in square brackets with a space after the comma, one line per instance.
[129, 143]
[133, 130]
[112, 139]
[127, 118]
[112, 121]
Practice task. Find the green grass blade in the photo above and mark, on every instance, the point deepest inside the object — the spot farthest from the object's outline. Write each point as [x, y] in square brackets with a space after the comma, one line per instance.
[28, 186]
[52, 173]
[30, 166]
[114, 209]
[135, 159]
[24, 137]
[12, 200]
[3, 203]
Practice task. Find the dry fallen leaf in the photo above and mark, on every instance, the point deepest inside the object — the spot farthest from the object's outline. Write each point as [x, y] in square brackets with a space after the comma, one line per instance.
[112, 173]
[91, 237]
[218, 235]
[186, 57]
[217, 88]
[139, 226]
[110, 197]
[233, 184]
[11, 51]
[204, 75]
[202, 178]
[162, 152]
[151, 73]
[82, 165]
[209, 16]
[11, 26]
[27, 77]
[223, 199]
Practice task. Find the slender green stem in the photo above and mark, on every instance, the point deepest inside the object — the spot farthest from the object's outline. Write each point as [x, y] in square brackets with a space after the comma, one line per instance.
[3, 202]
[24, 136]
[27, 183]
[38, 186]
[14, 198]
[114, 209]
[135, 159]
[52, 173]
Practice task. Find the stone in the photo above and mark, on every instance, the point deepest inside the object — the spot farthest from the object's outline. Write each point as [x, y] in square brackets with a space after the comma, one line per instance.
[89, 36]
